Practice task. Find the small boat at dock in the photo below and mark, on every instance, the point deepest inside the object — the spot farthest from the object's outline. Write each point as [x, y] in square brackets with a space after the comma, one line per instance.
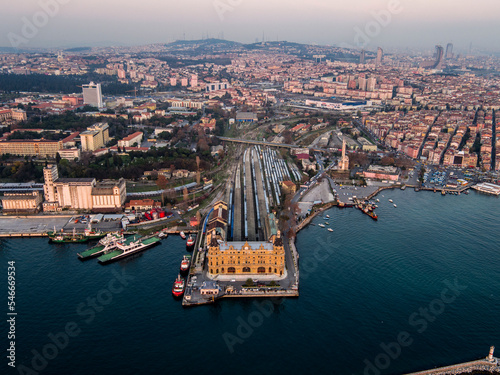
[190, 243]
[179, 286]
[185, 263]
[183, 236]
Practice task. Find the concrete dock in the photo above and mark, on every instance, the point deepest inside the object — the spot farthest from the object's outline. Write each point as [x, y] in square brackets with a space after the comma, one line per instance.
[461, 368]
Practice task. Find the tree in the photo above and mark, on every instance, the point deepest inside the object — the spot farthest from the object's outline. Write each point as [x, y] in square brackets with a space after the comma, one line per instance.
[161, 182]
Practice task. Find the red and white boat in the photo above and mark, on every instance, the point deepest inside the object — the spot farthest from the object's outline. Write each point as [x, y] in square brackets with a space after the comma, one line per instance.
[186, 262]
[190, 243]
[183, 236]
[179, 286]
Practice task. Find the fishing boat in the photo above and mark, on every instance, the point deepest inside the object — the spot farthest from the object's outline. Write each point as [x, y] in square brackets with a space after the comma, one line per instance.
[179, 286]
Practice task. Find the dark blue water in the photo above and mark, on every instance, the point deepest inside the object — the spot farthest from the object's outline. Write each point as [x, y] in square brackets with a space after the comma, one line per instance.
[360, 287]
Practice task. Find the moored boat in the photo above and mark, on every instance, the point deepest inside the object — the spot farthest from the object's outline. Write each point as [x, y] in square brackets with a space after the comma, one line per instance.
[104, 245]
[321, 225]
[183, 236]
[330, 229]
[190, 243]
[132, 245]
[179, 286]
[185, 263]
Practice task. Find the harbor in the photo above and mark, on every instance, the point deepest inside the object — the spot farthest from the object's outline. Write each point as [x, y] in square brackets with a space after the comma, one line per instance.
[353, 277]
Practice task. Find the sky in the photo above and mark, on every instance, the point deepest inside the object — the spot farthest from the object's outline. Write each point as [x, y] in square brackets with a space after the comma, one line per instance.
[414, 24]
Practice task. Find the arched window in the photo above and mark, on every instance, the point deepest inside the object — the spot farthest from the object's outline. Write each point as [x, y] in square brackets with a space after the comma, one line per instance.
[270, 270]
[261, 270]
[231, 270]
[246, 269]
[275, 271]
[222, 270]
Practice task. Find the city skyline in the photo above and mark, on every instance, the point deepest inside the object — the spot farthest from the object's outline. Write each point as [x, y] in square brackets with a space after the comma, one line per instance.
[392, 24]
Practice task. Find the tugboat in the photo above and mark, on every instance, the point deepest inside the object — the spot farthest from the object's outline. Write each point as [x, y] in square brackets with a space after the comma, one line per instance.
[183, 236]
[186, 262]
[179, 286]
[190, 243]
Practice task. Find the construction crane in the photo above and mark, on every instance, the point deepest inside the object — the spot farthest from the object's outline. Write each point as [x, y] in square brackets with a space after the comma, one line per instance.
[134, 91]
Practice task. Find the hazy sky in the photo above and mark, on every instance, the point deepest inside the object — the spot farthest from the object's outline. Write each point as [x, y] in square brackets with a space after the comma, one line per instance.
[401, 23]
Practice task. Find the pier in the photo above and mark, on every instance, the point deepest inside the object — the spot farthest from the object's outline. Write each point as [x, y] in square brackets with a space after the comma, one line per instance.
[490, 364]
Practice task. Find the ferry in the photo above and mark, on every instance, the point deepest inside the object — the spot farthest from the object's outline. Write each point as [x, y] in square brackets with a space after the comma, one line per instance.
[105, 244]
[179, 286]
[330, 229]
[183, 236]
[186, 262]
[190, 243]
[132, 245]
[321, 225]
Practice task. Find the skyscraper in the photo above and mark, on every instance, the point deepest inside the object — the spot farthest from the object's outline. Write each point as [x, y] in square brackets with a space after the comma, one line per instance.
[362, 57]
[449, 51]
[438, 64]
[380, 57]
[92, 95]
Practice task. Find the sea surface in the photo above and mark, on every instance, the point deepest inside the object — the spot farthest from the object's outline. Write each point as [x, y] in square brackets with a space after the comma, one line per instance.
[416, 289]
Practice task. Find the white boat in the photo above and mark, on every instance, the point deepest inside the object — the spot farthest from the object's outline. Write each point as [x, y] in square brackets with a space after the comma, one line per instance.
[327, 223]
[390, 200]
[330, 229]
[395, 205]
[183, 236]
[321, 225]
[327, 216]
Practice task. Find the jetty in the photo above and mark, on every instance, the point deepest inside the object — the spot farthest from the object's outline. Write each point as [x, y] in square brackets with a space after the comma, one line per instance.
[490, 364]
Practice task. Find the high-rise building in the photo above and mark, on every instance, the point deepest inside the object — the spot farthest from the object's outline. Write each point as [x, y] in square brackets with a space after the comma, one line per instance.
[362, 57]
[449, 51]
[370, 84]
[92, 95]
[380, 57]
[438, 63]
[95, 137]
